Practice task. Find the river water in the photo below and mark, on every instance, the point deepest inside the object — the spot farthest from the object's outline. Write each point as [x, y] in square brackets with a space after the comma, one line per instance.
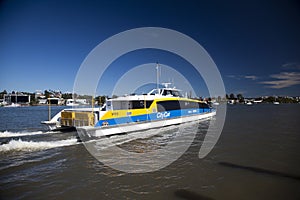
[256, 157]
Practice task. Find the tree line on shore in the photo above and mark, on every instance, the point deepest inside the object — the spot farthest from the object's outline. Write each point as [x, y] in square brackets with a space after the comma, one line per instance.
[266, 99]
[100, 100]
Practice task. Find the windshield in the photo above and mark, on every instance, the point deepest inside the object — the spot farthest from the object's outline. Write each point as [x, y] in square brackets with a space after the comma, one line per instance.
[168, 92]
[154, 92]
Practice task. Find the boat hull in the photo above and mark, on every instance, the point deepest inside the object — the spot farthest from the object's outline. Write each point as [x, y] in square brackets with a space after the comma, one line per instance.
[88, 132]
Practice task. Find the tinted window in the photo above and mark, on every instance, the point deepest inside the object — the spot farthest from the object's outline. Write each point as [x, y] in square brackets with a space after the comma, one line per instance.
[176, 94]
[177, 105]
[188, 104]
[203, 105]
[167, 106]
[140, 104]
[126, 105]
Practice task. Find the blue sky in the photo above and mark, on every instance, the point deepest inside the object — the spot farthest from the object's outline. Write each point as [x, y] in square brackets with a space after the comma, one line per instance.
[255, 44]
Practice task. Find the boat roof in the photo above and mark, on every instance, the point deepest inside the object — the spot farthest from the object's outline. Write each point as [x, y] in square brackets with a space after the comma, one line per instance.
[153, 94]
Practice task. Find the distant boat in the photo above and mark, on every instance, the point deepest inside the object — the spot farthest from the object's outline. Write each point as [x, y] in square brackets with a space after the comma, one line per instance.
[276, 103]
[13, 105]
[71, 102]
[258, 101]
[249, 103]
[231, 101]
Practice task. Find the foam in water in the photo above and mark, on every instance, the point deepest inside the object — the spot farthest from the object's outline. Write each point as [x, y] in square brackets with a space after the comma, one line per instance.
[121, 139]
[20, 145]
[18, 134]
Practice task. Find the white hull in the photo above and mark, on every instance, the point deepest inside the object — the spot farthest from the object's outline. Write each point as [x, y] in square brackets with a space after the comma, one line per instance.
[87, 131]
[72, 104]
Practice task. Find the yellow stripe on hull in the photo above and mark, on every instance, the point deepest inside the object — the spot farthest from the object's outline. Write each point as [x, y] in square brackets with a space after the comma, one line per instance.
[135, 112]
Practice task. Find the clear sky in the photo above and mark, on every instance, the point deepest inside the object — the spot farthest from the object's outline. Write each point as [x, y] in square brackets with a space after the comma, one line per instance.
[255, 44]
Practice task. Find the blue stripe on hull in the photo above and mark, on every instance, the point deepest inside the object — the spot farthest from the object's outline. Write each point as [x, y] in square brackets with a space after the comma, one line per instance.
[153, 116]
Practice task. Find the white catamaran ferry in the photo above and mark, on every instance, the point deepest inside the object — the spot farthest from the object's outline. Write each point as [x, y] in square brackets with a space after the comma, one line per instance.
[160, 107]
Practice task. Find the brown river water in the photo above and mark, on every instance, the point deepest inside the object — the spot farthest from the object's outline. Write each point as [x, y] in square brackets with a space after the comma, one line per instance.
[256, 157]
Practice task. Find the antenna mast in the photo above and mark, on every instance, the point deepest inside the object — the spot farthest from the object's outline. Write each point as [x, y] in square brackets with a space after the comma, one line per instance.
[157, 75]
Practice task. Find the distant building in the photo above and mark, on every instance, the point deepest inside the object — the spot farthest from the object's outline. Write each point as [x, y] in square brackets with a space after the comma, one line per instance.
[17, 98]
[2, 102]
[54, 101]
[38, 94]
[81, 101]
[40, 97]
[42, 100]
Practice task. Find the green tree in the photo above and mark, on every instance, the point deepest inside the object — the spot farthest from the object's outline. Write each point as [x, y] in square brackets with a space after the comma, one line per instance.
[240, 98]
[47, 93]
[2, 94]
[33, 100]
[269, 99]
[231, 96]
[67, 96]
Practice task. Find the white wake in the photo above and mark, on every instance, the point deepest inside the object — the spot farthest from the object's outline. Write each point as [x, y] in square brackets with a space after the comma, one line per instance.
[22, 133]
[20, 145]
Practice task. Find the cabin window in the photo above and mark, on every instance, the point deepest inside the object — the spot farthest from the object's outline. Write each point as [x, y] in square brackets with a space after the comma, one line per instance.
[189, 104]
[167, 106]
[103, 108]
[108, 104]
[154, 92]
[167, 93]
[177, 105]
[203, 105]
[127, 105]
[138, 104]
[176, 94]
[120, 105]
